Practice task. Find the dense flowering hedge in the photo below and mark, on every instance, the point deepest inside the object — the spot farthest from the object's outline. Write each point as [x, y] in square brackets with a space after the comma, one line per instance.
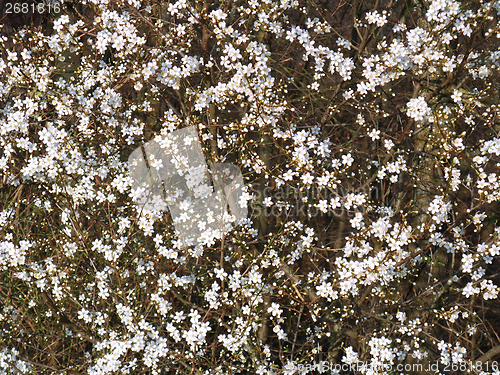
[367, 135]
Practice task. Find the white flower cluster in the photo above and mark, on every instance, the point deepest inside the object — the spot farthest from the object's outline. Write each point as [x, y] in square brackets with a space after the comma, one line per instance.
[442, 11]
[375, 17]
[12, 255]
[363, 225]
[10, 363]
[439, 209]
[418, 109]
